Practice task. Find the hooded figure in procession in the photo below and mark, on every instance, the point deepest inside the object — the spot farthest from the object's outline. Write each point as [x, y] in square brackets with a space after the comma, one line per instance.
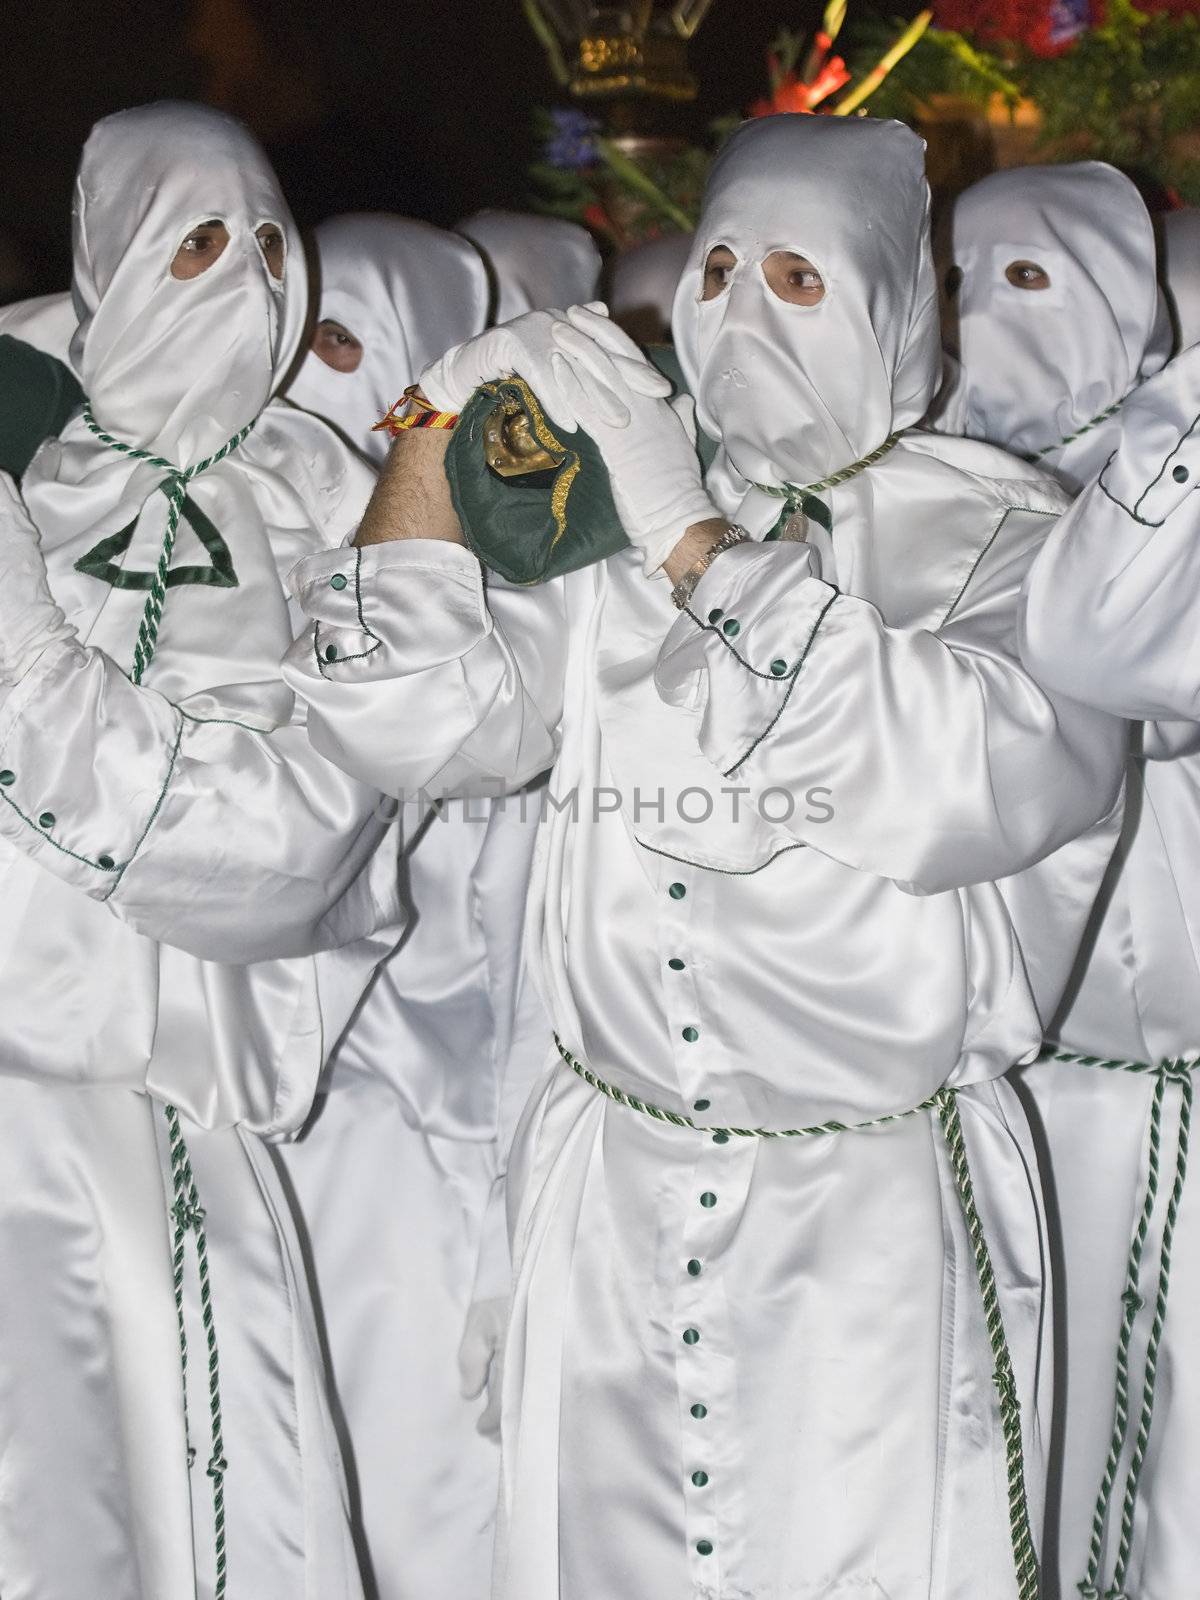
[1061, 321]
[533, 262]
[779, 1323]
[400, 1179]
[1054, 314]
[192, 903]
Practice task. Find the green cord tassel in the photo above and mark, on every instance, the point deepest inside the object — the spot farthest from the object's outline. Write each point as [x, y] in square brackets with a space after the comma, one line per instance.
[187, 1213]
[1180, 1072]
[175, 488]
[188, 1216]
[1024, 1554]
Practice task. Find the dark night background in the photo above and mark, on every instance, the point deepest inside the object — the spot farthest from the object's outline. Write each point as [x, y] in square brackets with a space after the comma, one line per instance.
[412, 107]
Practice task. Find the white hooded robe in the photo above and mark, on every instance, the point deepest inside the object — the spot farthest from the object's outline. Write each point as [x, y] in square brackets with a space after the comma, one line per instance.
[794, 832]
[191, 904]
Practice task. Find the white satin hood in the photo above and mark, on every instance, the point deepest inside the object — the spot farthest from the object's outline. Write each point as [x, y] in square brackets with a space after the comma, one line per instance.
[536, 262]
[644, 281]
[407, 291]
[1181, 269]
[178, 367]
[148, 176]
[1038, 365]
[794, 393]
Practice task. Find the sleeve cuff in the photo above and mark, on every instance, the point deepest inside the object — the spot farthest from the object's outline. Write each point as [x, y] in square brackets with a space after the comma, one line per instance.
[81, 781]
[409, 604]
[737, 653]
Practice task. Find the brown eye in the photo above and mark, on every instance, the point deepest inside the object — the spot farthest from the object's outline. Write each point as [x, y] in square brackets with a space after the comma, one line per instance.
[793, 278]
[336, 346]
[721, 262]
[270, 242]
[1027, 275]
[198, 251]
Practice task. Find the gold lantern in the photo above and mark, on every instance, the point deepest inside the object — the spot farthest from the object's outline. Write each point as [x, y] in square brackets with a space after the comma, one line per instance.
[620, 51]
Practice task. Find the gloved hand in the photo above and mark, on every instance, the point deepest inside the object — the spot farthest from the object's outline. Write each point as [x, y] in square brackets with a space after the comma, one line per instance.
[523, 348]
[481, 1357]
[647, 442]
[1157, 463]
[29, 619]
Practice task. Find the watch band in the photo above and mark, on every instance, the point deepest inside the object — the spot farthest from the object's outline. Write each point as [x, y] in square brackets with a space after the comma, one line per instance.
[682, 593]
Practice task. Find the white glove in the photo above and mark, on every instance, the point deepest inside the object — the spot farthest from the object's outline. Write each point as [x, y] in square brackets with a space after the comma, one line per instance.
[645, 441]
[29, 619]
[481, 1356]
[524, 348]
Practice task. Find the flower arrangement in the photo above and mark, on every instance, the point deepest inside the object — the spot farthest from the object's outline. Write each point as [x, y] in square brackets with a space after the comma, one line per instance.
[626, 194]
[1105, 79]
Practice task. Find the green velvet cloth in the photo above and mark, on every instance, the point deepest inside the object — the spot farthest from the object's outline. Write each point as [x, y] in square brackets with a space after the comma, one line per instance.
[544, 523]
[37, 396]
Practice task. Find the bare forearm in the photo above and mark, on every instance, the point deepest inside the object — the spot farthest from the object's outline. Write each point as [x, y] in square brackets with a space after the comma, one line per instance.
[412, 497]
[696, 542]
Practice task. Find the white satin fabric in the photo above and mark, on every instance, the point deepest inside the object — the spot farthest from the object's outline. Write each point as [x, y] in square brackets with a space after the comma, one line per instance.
[1037, 366]
[1110, 620]
[535, 262]
[399, 1179]
[191, 902]
[1181, 271]
[407, 291]
[907, 927]
[644, 281]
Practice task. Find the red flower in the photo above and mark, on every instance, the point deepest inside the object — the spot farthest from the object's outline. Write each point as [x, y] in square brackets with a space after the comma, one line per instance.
[791, 93]
[595, 217]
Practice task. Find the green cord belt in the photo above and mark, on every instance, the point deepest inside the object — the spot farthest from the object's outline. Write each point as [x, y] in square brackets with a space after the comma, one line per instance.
[1179, 1072]
[945, 1103]
[187, 1213]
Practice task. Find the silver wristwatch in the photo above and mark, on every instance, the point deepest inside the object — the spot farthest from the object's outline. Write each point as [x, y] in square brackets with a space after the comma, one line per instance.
[682, 593]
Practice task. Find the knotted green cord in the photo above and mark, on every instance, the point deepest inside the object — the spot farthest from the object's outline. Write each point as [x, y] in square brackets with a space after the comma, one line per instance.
[175, 487]
[945, 1101]
[186, 1210]
[801, 497]
[188, 1216]
[1024, 1554]
[1177, 1071]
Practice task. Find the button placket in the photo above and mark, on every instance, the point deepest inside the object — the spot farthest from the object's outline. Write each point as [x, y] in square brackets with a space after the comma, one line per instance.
[684, 900]
[684, 936]
[707, 1398]
[700, 1414]
[698, 1324]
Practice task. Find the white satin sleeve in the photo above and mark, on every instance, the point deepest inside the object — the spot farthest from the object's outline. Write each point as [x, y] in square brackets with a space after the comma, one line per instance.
[1110, 602]
[926, 756]
[422, 680]
[234, 842]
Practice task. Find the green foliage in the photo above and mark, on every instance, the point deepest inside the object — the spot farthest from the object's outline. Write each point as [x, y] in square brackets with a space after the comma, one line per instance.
[940, 63]
[1125, 92]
